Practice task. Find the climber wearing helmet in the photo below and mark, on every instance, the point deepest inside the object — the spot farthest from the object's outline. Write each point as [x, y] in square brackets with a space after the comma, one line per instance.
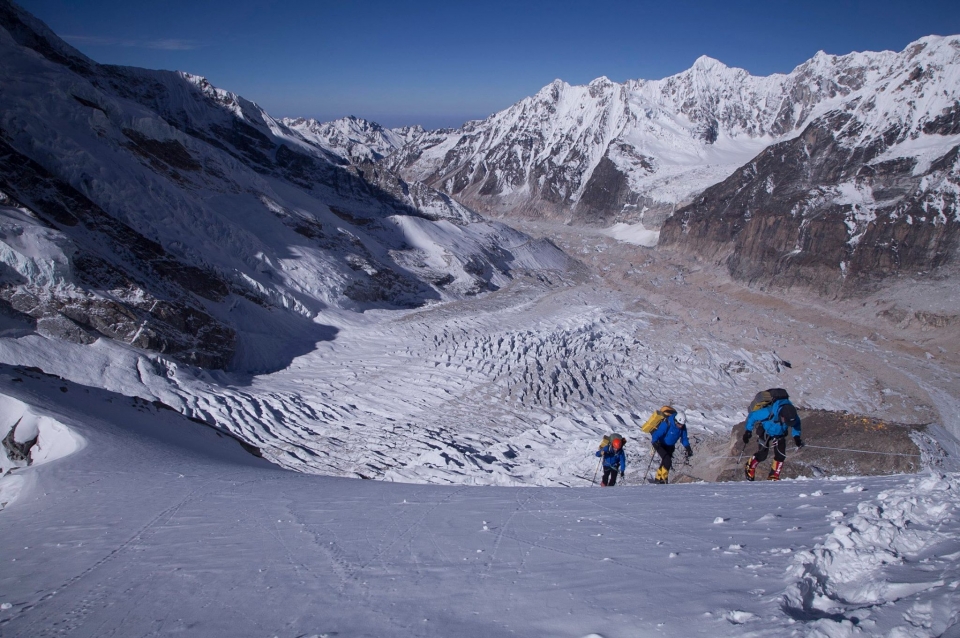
[614, 459]
[664, 440]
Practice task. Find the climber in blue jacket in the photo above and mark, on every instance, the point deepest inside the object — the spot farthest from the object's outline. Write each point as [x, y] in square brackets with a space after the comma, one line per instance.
[772, 423]
[614, 459]
[664, 440]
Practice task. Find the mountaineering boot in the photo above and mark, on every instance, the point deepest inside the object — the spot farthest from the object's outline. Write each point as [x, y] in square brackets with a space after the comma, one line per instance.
[775, 471]
[661, 476]
[751, 468]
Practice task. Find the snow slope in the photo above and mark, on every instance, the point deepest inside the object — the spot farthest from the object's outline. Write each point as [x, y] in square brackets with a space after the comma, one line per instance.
[181, 218]
[159, 526]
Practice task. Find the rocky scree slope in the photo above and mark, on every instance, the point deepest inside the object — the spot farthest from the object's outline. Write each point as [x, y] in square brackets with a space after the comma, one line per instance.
[154, 209]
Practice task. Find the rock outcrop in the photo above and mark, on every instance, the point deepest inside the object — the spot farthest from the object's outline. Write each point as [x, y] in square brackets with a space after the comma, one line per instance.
[825, 213]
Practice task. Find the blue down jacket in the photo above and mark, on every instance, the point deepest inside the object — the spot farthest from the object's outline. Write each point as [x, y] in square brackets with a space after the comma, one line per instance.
[768, 418]
[669, 432]
[612, 458]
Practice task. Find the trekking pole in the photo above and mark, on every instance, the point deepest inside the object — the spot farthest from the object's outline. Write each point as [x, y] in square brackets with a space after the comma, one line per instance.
[743, 447]
[594, 481]
[649, 465]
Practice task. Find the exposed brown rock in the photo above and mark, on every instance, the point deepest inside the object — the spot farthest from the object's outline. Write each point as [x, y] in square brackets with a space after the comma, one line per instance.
[778, 220]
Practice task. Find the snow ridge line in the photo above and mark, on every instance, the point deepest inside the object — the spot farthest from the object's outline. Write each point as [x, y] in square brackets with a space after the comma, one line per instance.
[887, 565]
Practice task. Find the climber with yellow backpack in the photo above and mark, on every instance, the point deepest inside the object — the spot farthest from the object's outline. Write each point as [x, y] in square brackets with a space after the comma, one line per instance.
[667, 426]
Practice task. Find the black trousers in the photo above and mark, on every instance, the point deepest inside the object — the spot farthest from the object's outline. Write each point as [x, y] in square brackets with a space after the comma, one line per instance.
[766, 442]
[609, 476]
[666, 454]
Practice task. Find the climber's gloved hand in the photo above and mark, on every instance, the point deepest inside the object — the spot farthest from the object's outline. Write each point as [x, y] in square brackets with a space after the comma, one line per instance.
[798, 441]
[746, 436]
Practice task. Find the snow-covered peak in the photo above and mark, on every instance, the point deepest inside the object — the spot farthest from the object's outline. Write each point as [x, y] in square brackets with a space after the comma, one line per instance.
[29, 31]
[669, 139]
[350, 137]
[706, 63]
[228, 100]
[551, 91]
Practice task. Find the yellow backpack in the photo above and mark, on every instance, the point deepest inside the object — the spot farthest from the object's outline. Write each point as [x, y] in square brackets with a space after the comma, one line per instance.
[656, 419]
[766, 397]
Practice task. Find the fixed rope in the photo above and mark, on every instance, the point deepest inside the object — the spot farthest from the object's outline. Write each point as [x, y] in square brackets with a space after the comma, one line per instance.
[844, 449]
[823, 447]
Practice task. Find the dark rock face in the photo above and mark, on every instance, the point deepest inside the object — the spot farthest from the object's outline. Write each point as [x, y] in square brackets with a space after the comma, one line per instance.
[818, 212]
[150, 303]
[605, 194]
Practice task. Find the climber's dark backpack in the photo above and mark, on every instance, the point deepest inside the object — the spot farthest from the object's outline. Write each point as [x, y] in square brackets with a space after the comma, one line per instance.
[765, 398]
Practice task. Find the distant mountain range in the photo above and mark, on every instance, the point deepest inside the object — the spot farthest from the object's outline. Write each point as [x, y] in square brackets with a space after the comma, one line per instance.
[155, 209]
[838, 173]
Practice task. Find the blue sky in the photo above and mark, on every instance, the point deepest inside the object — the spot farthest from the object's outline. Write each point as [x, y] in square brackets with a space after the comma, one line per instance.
[441, 63]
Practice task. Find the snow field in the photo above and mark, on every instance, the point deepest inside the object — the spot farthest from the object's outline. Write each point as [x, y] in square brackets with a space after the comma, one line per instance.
[514, 388]
[161, 526]
[490, 393]
[895, 558]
